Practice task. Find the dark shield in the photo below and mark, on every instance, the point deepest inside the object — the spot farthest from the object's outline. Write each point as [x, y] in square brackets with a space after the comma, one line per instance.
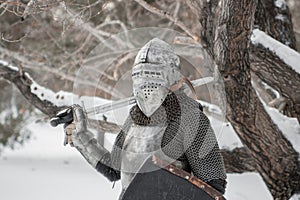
[158, 183]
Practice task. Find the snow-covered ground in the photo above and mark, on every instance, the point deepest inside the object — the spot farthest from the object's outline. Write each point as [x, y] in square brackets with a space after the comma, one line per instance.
[44, 169]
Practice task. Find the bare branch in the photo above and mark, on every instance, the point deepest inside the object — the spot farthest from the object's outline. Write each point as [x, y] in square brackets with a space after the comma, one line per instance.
[28, 8]
[165, 14]
[23, 82]
[29, 64]
[279, 68]
[194, 7]
[11, 41]
[73, 19]
[120, 62]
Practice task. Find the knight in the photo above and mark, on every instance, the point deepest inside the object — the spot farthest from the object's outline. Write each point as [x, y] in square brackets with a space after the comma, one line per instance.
[165, 123]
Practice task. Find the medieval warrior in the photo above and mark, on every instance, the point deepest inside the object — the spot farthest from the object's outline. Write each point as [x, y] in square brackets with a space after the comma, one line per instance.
[165, 123]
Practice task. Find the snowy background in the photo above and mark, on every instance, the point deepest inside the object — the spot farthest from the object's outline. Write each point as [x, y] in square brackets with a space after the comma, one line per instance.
[44, 169]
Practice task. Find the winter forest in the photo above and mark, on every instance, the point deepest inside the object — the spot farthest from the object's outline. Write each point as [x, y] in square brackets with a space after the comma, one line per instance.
[55, 53]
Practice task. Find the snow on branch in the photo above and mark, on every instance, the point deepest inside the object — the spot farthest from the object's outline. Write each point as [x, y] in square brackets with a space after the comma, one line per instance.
[288, 126]
[60, 98]
[285, 53]
[45, 99]
[278, 66]
[34, 93]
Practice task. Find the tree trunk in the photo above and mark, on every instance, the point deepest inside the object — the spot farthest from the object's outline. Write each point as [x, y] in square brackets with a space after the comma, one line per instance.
[208, 23]
[238, 161]
[274, 157]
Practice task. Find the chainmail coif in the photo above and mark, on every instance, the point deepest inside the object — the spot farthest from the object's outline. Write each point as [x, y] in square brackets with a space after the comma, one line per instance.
[188, 138]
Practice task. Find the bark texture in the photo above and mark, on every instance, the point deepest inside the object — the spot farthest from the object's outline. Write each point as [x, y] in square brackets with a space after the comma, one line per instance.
[274, 18]
[273, 155]
[273, 71]
[208, 23]
[238, 161]
[21, 80]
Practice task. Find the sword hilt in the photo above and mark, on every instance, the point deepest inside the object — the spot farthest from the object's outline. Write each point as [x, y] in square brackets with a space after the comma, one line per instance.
[62, 117]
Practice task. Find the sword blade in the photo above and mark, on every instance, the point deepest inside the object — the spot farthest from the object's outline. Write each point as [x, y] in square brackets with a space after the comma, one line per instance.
[131, 100]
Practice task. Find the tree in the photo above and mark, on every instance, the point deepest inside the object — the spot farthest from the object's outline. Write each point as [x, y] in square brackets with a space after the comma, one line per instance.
[262, 138]
[234, 34]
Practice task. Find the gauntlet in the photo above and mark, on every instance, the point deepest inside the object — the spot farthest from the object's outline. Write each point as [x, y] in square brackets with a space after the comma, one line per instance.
[78, 135]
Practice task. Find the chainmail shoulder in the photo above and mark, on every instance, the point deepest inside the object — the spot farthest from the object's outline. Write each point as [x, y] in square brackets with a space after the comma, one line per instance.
[200, 146]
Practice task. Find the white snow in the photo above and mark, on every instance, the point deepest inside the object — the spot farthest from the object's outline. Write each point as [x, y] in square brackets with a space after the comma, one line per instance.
[280, 4]
[45, 169]
[226, 136]
[59, 98]
[281, 17]
[63, 98]
[211, 107]
[2, 62]
[6, 64]
[289, 126]
[247, 186]
[295, 197]
[288, 55]
[267, 87]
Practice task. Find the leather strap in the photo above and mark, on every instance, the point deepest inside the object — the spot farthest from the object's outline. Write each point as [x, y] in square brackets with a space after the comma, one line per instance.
[179, 84]
[189, 177]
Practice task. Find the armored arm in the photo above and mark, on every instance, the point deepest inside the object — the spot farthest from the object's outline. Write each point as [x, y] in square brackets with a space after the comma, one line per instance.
[83, 140]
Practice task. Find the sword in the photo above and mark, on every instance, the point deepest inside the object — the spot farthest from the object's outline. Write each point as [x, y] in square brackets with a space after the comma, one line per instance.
[131, 100]
[66, 116]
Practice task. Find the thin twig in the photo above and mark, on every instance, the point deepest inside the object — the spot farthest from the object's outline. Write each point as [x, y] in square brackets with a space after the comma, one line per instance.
[120, 62]
[40, 67]
[121, 24]
[165, 14]
[11, 41]
[194, 8]
[28, 8]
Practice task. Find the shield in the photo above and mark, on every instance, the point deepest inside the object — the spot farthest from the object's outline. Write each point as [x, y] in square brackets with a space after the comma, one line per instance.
[164, 184]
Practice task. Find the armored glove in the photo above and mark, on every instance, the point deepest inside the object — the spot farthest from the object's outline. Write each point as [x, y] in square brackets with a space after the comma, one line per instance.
[65, 117]
[78, 135]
